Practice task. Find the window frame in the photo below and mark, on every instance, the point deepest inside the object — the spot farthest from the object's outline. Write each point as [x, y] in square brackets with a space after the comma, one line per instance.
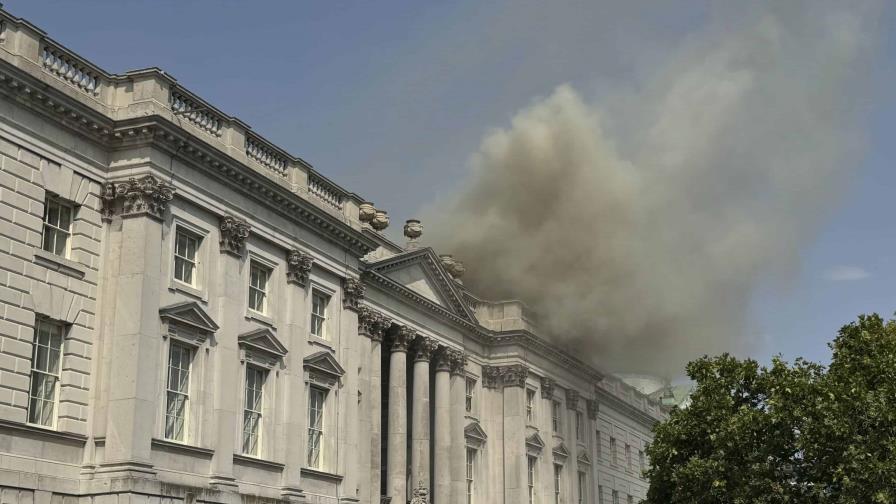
[580, 427]
[324, 328]
[556, 416]
[530, 405]
[39, 323]
[268, 270]
[261, 377]
[470, 394]
[558, 482]
[628, 457]
[320, 430]
[52, 199]
[187, 424]
[582, 487]
[195, 262]
[614, 457]
[471, 454]
[531, 477]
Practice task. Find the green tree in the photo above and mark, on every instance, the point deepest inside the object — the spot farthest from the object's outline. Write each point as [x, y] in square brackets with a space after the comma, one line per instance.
[785, 433]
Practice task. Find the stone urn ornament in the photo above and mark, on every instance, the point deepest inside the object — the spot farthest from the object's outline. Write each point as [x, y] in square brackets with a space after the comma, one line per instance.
[413, 230]
[380, 220]
[366, 212]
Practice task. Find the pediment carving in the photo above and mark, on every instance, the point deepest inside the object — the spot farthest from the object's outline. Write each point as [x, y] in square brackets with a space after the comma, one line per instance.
[535, 442]
[324, 363]
[262, 340]
[561, 453]
[475, 434]
[189, 314]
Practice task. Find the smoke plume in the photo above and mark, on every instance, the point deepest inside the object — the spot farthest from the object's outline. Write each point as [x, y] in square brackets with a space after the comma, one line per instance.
[638, 227]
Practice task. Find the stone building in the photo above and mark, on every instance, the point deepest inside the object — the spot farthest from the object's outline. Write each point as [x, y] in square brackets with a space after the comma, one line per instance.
[189, 313]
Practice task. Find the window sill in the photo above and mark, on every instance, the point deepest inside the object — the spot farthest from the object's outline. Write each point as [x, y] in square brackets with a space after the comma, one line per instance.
[321, 342]
[182, 447]
[260, 317]
[307, 471]
[178, 286]
[40, 430]
[58, 263]
[251, 459]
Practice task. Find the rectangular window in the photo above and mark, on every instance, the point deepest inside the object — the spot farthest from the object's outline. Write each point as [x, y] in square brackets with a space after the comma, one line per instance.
[185, 247]
[558, 473]
[613, 457]
[46, 360]
[255, 379]
[628, 457]
[631, 500]
[319, 303]
[599, 444]
[57, 227]
[178, 391]
[580, 427]
[470, 388]
[258, 287]
[641, 461]
[583, 488]
[600, 494]
[615, 497]
[530, 406]
[555, 416]
[471, 461]
[532, 464]
[316, 398]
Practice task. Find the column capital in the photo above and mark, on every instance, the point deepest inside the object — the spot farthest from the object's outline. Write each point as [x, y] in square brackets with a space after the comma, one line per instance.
[512, 375]
[234, 232]
[442, 359]
[424, 347]
[593, 408]
[572, 399]
[144, 196]
[547, 388]
[402, 337]
[298, 266]
[457, 360]
[352, 293]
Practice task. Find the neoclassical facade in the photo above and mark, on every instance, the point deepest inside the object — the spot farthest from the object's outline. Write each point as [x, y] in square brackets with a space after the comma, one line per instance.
[189, 313]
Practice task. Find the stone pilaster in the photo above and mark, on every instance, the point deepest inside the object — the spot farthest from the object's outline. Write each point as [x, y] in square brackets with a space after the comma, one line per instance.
[458, 448]
[295, 400]
[135, 340]
[375, 327]
[441, 478]
[420, 427]
[396, 456]
[513, 381]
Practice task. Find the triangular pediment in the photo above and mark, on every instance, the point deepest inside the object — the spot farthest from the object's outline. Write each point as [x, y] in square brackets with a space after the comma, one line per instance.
[583, 457]
[422, 273]
[262, 339]
[535, 441]
[560, 451]
[190, 314]
[324, 362]
[475, 432]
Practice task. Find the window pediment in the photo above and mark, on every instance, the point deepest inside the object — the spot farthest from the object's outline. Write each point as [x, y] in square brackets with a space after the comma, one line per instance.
[323, 368]
[189, 314]
[534, 443]
[475, 435]
[560, 452]
[262, 343]
[583, 458]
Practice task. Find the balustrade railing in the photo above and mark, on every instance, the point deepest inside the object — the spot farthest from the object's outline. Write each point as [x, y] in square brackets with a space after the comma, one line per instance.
[325, 191]
[196, 113]
[70, 69]
[259, 151]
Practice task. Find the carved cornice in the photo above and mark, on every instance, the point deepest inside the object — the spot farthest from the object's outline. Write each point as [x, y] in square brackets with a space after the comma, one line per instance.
[298, 266]
[513, 375]
[402, 338]
[424, 347]
[352, 293]
[547, 388]
[572, 399]
[144, 196]
[534, 344]
[593, 408]
[625, 408]
[234, 232]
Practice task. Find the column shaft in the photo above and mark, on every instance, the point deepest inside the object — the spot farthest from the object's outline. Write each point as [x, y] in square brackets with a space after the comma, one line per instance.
[420, 427]
[376, 428]
[457, 452]
[442, 469]
[397, 456]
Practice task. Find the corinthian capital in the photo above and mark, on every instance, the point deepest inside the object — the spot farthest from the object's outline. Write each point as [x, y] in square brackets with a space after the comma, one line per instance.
[234, 232]
[547, 388]
[352, 293]
[144, 196]
[298, 266]
[424, 347]
[458, 361]
[402, 337]
[572, 399]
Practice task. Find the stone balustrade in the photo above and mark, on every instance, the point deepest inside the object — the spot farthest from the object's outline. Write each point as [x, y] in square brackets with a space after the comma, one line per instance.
[259, 150]
[70, 69]
[196, 113]
[327, 192]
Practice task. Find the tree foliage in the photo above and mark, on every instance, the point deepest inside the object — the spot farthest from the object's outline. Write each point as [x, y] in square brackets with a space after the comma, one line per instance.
[785, 433]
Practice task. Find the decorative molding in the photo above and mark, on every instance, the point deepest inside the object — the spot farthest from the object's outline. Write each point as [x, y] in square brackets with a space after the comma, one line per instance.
[144, 196]
[234, 232]
[491, 376]
[547, 388]
[513, 375]
[457, 360]
[352, 293]
[572, 399]
[190, 314]
[442, 359]
[475, 435]
[298, 266]
[534, 444]
[424, 347]
[323, 369]
[583, 458]
[560, 452]
[263, 340]
[593, 408]
[623, 407]
[402, 337]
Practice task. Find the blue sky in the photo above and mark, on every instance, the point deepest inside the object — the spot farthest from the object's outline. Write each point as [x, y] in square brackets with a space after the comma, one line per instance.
[390, 99]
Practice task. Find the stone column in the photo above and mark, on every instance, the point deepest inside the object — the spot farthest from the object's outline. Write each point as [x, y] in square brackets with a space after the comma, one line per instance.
[512, 379]
[351, 420]
[226, 389]
[458, 454]
[571, 470]
[298, 267]
[593, 410]
[420, 434]
[376, 326]
[442, 457]
[135, 337]
[397, 456]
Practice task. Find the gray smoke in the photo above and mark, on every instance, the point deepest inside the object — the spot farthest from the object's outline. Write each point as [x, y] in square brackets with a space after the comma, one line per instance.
[638, 227]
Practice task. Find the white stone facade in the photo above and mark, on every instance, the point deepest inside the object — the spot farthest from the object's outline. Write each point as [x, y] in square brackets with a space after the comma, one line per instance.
[188, 313]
